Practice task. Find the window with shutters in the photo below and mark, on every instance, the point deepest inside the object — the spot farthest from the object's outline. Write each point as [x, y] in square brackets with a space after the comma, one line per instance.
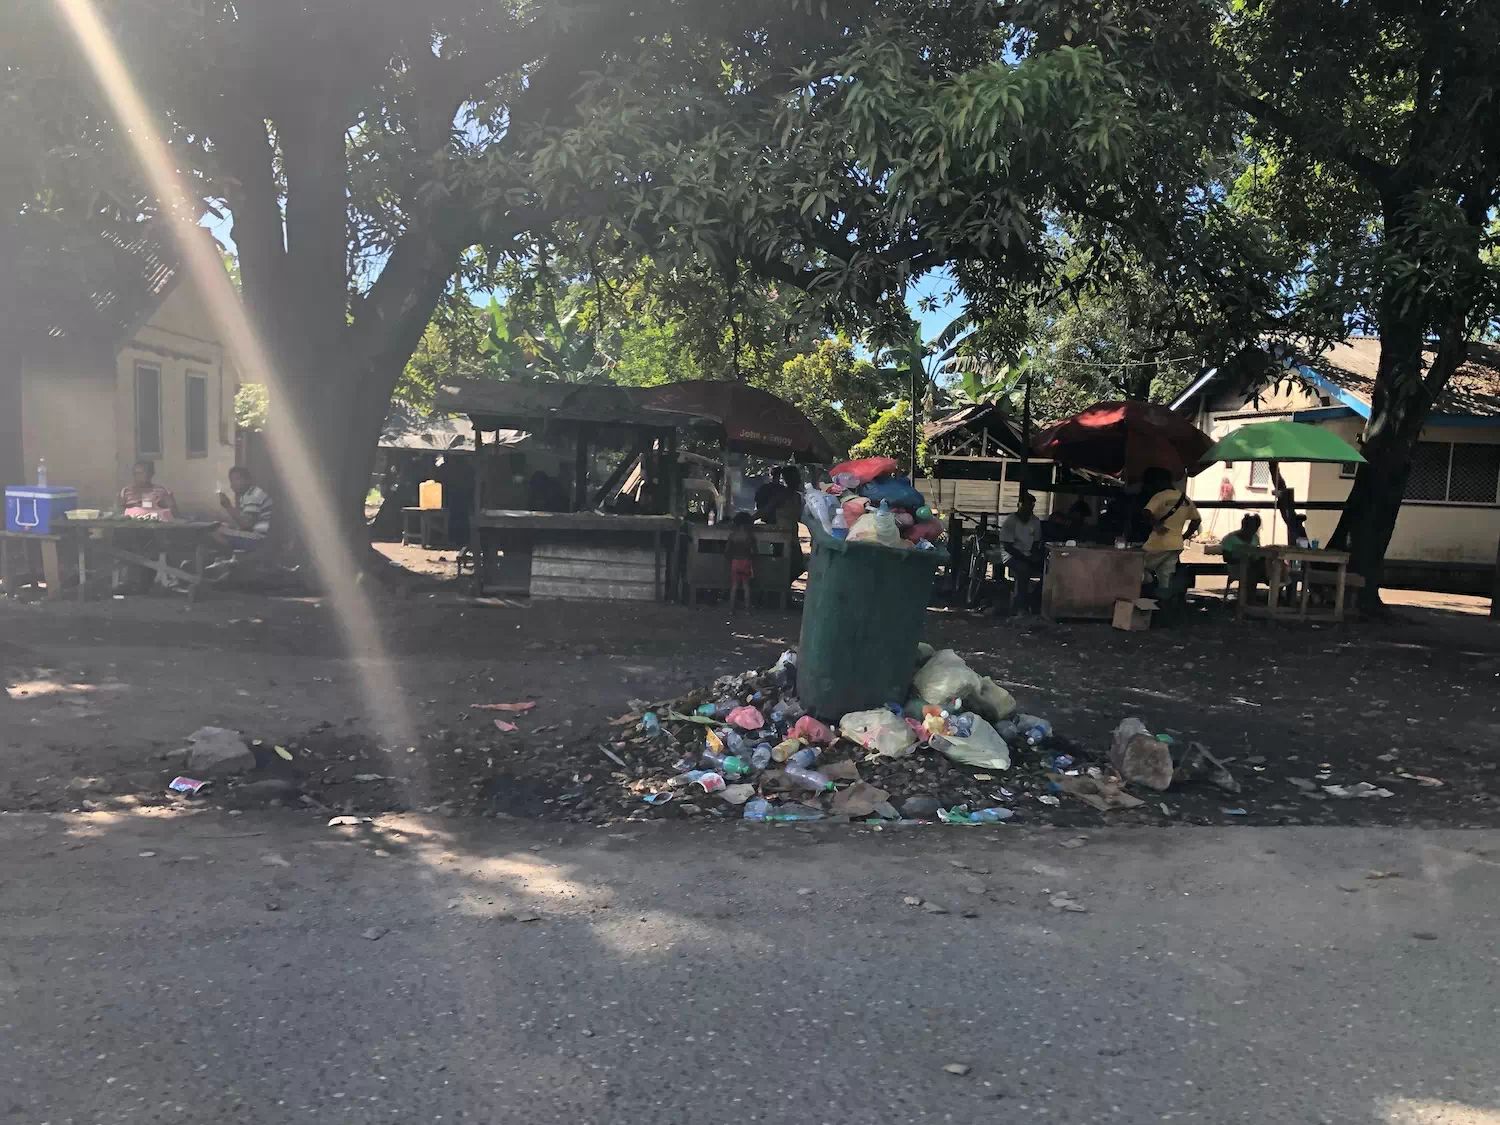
[147, 410]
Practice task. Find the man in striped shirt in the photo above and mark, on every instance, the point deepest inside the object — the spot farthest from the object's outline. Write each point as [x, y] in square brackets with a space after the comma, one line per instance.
[247, 515]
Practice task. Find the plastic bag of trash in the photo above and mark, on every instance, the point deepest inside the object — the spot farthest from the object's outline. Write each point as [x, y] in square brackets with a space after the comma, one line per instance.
[808, 729]
[982, 749]
[1139, 756]
[877, 527]
[897, 492]
[865, 469]
[925, 652]
[820, 507]
[991, 701]
[945, 678]
[878, 731]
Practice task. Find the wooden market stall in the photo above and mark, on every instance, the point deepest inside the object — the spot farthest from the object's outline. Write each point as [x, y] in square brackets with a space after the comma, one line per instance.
[594, 504]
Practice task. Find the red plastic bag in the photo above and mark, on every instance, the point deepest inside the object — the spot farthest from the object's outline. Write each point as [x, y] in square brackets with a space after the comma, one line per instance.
[865, 469]
[854, 507]
[746, 718]
[808, 729]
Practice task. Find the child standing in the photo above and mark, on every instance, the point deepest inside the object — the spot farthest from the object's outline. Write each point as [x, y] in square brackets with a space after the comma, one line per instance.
[739, 549]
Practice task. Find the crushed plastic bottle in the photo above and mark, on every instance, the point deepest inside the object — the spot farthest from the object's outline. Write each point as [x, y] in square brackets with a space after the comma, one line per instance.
[693, 777]
[1035, 731]
[761, 809]
[803, 758]
[991, 816]
[725, 763]
[760, 757]
[809, 778]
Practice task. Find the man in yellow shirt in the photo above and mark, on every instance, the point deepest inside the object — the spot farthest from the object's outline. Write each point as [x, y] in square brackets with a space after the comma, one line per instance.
[1173, 521]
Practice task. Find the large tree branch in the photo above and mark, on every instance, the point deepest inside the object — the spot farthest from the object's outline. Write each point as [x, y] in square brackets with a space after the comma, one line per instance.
[1316, 133]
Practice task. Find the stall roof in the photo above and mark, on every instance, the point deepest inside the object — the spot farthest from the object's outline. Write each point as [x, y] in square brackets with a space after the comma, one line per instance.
[530, 405]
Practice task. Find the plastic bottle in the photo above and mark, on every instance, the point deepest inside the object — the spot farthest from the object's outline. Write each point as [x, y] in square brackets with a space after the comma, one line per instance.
[840, 528]
[705, 709]
[1037, 731]
[761, 809]
[650, 724]
[41, 472]
[683, 780]
[809, 778]
[725, 763]
[778, 713]
[960, 726]
[734, 741]
[760, 757]
[804, 758]
[757, 808]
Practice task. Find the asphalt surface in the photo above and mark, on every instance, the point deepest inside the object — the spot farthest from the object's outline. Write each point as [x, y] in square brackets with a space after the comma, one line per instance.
[268, 968]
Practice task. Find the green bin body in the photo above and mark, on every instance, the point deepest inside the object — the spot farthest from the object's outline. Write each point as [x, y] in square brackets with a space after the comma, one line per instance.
[864, 614]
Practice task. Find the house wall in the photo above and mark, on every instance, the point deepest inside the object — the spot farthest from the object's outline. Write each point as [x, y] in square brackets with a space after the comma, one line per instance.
[179, 340]
[78, 410]
[68, 416]
[1425, 532]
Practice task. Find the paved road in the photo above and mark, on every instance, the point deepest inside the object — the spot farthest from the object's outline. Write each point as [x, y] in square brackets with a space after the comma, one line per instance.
[732, 974]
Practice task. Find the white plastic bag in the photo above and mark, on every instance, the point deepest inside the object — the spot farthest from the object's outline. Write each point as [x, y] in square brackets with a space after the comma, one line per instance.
[877, 527]
[945, 678]
[879, 732]
[983, 749]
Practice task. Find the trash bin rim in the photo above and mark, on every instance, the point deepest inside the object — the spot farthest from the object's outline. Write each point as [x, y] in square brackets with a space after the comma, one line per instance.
[824, 541]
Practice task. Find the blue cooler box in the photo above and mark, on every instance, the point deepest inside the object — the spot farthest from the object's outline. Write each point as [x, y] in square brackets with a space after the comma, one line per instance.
[33, 508]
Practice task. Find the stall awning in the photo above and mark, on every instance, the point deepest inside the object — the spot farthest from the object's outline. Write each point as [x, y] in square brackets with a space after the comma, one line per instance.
[533, 405]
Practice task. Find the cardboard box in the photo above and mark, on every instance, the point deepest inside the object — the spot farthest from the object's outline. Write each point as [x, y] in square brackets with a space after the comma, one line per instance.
[1134, 614]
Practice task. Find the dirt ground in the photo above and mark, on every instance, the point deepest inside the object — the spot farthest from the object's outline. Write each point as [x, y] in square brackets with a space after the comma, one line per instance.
[99, 695]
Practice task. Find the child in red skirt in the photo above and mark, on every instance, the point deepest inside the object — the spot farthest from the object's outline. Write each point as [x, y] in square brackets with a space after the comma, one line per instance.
[740, 551]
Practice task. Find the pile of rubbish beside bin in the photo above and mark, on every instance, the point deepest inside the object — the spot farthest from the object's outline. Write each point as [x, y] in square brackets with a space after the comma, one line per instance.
[956, 750]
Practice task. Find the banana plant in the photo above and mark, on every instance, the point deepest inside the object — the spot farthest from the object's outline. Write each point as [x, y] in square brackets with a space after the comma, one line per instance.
[558, 350]
[907, 357]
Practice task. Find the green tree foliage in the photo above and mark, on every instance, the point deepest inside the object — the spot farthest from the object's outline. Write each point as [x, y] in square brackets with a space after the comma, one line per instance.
[839, 391]
[889, 436]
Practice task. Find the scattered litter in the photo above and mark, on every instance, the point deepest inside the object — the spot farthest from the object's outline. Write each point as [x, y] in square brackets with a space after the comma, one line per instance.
[1425, 935]
[1048, 799]
[1234, 812]
[1421, 779]
[188, 785]
[368, 777]
[1140, 757]
[934, 908]
[1064, 902]
[912, 900]
[374, 933]
[283, 753]
[1359, 789]
[658, 798]
[146, 855]
[514, 708]
[507, 728]
[860, 799]
[348, 821]
[1383, 875]
[1074, 842]
[1198, 764]
[959, 1069]
[271, 859]
[736, 794]
[613, 757]
[1103, 794]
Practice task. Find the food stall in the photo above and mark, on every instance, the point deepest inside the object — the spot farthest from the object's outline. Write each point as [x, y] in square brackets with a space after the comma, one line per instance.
[593, 504]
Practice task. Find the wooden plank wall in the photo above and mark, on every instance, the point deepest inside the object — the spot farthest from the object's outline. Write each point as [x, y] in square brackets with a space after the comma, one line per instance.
[975, 496]
[582, 571]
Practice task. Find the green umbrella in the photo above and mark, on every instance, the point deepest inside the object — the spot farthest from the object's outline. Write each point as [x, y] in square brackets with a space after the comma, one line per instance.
[1282, 441]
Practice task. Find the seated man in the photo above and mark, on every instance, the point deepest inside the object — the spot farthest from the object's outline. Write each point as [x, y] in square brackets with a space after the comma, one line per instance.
[143, 496]
[1174, 520]
[247, 516]
[1240, 546]
[1021, 551]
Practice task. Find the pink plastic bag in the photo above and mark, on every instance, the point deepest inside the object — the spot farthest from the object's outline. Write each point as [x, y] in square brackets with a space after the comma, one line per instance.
[854, 508]
[866, 469]
[746, 718]
[808, 729]
[922, 733]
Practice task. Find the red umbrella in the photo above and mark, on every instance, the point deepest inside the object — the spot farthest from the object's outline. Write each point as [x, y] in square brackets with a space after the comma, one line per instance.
[754, 421]
[1124, 439]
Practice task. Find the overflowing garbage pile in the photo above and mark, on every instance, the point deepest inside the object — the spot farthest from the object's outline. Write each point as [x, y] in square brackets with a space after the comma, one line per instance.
[866, 501]
[958, 750]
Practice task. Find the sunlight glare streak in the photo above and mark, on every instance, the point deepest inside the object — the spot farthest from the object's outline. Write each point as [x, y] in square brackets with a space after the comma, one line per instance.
[316, 520]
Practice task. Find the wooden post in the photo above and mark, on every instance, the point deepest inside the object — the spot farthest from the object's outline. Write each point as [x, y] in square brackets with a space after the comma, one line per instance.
[581, 468]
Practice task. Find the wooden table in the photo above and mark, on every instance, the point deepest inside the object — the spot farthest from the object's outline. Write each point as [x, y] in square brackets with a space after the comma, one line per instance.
[17, 542]
[1280, 575]
[97, 537]
[424, 525]
[1086, 581]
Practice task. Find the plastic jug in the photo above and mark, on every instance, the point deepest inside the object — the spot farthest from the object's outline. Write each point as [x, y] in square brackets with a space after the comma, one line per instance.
[430, 494]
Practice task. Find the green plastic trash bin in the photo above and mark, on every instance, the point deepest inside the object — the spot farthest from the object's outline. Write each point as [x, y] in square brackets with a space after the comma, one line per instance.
[863, 616]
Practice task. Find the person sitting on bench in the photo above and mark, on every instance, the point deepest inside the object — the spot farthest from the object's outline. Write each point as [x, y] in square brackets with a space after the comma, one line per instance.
[1021, 551]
